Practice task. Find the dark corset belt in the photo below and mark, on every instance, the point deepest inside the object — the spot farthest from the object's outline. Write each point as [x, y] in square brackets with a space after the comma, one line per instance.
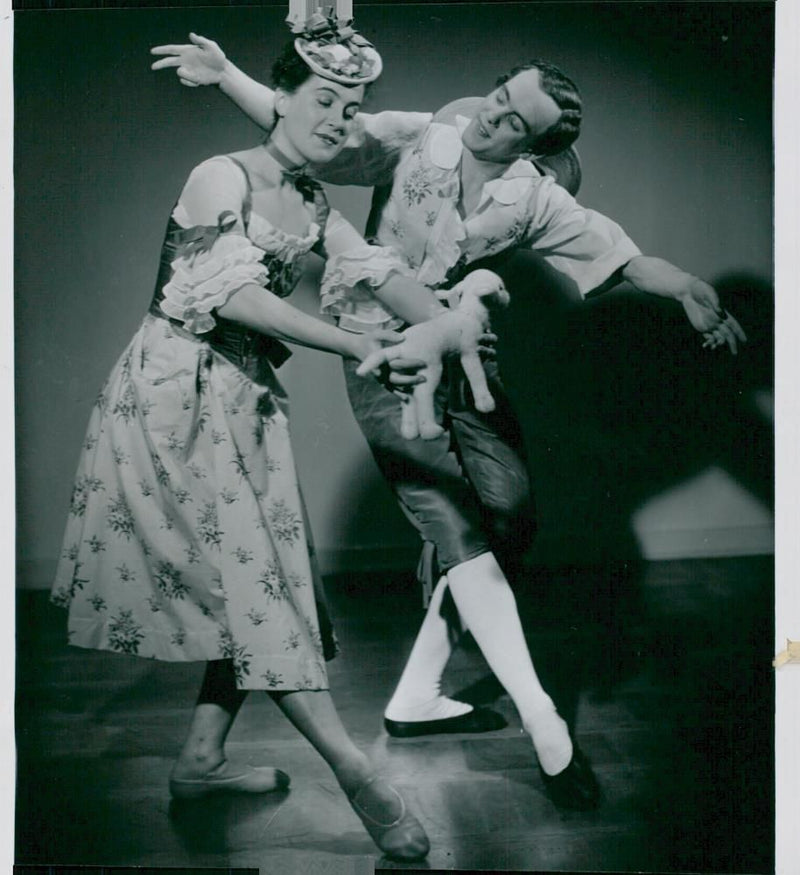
[249, 350]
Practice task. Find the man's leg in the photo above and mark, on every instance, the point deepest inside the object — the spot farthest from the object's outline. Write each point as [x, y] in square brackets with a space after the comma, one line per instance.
[491, 455]
[441, 504]
[489, 451]
[487, 606]
[418, 696]
[488, 610]
[428, 481]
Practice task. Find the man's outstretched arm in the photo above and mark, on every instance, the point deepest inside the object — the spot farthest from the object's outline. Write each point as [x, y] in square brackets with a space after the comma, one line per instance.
[597, 254]
[699, 300]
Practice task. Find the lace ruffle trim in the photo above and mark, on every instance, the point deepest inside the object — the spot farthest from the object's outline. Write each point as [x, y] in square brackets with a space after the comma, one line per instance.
[278, 242]
[206, 280]
[348, 281]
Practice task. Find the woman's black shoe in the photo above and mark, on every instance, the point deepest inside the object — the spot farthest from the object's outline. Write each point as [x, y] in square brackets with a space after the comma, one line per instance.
[574, 787]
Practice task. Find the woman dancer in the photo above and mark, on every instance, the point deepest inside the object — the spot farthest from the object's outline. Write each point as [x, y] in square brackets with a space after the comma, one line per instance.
[186, 538]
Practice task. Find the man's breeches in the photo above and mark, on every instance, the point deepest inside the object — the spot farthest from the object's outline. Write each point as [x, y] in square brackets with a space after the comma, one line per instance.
[467, 491]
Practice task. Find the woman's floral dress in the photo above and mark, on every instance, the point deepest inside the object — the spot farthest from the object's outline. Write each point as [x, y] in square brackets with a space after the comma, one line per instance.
[186, 537]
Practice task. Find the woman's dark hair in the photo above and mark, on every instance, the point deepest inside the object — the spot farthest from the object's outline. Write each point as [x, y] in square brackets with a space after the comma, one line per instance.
[289, 71]
[564, 92]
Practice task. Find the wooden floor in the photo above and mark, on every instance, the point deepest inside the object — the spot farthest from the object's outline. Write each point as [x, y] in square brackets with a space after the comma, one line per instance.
[663, 669]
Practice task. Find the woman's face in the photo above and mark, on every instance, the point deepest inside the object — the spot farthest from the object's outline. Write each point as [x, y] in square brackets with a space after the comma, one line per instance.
[316, 119]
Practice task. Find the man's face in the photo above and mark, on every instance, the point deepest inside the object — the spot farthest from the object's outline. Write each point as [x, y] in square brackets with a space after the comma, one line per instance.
[510, 119]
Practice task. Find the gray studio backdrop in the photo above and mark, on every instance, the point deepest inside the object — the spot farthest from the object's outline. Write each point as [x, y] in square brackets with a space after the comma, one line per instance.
[676, 147]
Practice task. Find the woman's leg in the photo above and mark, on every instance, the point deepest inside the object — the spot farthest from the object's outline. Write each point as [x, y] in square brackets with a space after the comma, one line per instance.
[201, 767]
[217, 705]
[380, 807]
[313, 713]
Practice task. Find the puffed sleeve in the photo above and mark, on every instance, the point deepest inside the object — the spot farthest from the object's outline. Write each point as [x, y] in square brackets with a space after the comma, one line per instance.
[214, 257]
[353, 269]
[374, 148]
[584, 244]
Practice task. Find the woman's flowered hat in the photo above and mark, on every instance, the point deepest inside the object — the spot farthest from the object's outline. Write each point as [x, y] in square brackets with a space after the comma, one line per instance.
[330, 46]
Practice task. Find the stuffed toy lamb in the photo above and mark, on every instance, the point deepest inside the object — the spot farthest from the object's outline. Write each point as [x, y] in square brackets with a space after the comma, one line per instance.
[456, 330]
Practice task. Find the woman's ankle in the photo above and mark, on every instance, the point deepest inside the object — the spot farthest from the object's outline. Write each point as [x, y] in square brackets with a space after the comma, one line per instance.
[198, 762]
[353, 772]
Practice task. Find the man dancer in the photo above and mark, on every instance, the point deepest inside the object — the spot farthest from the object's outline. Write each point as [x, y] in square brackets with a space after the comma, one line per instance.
[457, 189]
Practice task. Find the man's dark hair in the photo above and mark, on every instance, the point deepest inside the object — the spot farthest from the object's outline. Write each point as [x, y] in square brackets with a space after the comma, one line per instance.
[565, 93]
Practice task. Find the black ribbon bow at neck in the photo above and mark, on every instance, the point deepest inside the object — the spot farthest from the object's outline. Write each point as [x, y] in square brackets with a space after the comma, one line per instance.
[301, 181]
[292, 173]
[309, 188]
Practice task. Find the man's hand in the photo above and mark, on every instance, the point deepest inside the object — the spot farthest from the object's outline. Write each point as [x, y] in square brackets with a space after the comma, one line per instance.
[718, 327]
[487, 346]
[700, 302]
[202, 62]
[464, 332]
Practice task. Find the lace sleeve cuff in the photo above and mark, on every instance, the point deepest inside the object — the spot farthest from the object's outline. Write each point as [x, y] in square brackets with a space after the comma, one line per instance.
[207, 273]
[348, 283]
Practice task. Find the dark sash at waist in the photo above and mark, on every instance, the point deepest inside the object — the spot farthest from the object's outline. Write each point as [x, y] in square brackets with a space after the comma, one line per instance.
[249, 350]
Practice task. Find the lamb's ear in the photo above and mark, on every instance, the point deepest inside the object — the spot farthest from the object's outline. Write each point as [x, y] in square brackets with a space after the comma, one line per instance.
[494, 290]
[498, 296]
[503, 297]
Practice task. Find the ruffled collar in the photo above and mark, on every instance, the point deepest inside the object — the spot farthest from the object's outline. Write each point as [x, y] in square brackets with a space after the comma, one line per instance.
[262, 232]
[445, 152]
[270, 237]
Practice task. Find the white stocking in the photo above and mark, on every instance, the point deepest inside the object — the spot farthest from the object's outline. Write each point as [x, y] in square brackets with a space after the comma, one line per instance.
[418, 694]
[488, 609]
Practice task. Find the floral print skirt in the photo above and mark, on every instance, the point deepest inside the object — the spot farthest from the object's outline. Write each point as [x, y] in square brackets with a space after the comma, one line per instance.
[186, 538]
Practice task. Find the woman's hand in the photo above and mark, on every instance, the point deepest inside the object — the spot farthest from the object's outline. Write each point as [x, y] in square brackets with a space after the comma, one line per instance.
[718, 327]
[395, 372]
[200, 63]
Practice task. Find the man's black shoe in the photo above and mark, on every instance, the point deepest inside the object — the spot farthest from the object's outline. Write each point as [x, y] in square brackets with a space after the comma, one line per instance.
[574, 787]
[477, 720]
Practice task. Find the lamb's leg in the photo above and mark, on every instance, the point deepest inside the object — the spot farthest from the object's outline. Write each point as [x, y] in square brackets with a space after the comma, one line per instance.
[423, 401]
[409, 426]
[473, 368]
